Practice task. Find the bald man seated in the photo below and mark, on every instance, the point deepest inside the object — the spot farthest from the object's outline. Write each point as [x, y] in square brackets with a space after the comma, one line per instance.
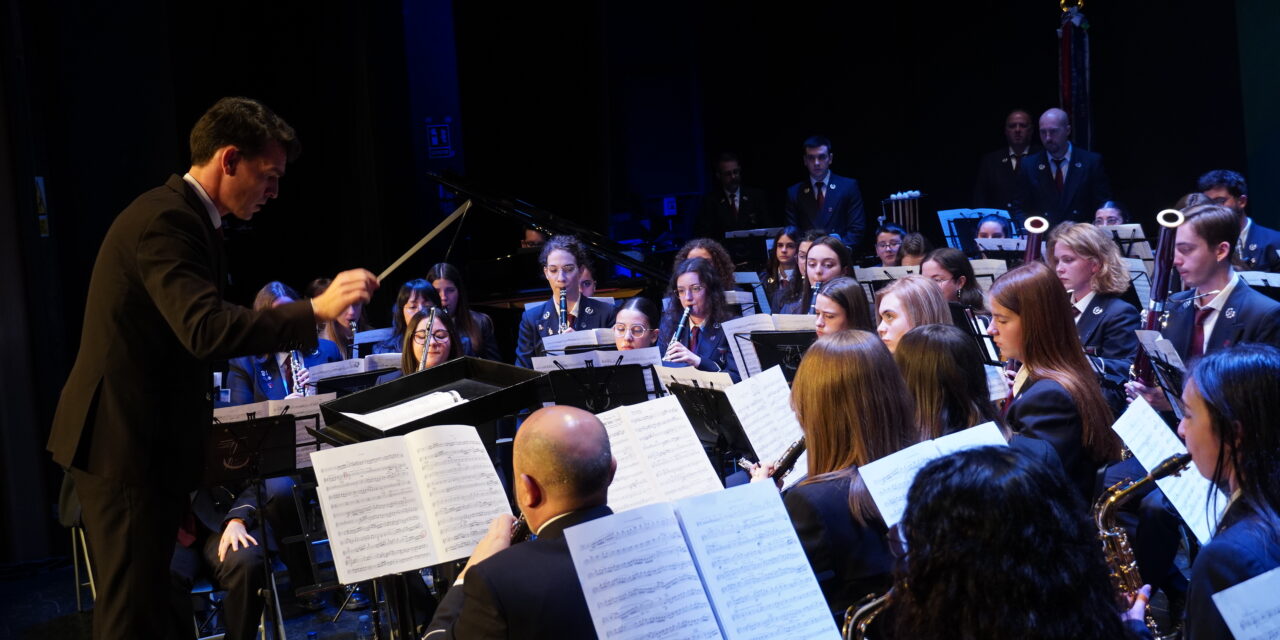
[562, 467]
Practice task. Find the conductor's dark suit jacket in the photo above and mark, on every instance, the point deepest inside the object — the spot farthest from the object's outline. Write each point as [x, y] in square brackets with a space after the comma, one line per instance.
[717, 215]
[841, 213]
[139, 398]
[529, 591]
[1083, 191]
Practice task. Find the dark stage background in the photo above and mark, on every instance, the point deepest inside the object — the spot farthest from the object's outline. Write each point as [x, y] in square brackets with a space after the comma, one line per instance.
[595, 112]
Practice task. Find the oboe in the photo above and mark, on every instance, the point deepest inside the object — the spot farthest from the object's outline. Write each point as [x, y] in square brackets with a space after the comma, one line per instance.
[564, 311]
[675, 335]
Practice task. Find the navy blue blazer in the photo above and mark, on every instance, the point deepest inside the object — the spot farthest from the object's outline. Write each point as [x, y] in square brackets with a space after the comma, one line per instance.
[1259, 250]
[997, 182]
[544, 320]
[1247, 545]
[849, 559]
[1248, 316]
[713, 347]
[1107, 328]
[529, 590]
[841, 213]
[1044, 410]
[1085, 189]
[257, 378]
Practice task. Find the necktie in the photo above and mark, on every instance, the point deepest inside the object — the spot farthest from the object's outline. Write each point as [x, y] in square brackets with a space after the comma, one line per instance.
[733, 202]
[1197, 335]
[820, 194]
[1075, 312]
[1057, 172]
[693, 338]
[572, 319]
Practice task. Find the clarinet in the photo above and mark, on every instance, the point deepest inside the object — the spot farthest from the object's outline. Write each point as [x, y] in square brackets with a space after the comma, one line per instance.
[813, 298]
[675, 336]
[564, 311]
[520, 531]
[426, 344]
[295, 369]
[785, 464]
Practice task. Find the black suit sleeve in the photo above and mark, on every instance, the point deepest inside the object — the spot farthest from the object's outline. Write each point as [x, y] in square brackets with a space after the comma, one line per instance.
[1219, 565]
[240, 380]
[1119, 342]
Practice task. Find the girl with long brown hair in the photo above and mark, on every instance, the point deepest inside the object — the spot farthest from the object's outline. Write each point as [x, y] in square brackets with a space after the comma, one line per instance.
[854, 408]
[906, 304]
[1056, 394]
[475, 329]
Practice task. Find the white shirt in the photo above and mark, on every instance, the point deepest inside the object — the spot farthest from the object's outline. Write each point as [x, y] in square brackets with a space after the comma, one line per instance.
[826, 182]
[1015, 157]
[1219, 301]
[1083, 305]
[733, 197]
[214, 216]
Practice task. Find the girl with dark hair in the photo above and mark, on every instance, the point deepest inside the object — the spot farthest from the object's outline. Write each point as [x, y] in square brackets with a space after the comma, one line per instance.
[437, 343]
[842, 304]
[1056, 393]
[914, 248]
[343, 329]
[889, 239]
[1110, 214]
[1229, 424]
[713, 252]
[998, 547]
[782, 267]
[994, 226]
[854, 409]
[414, 296]
[951, 270]
[474, 328]
[636, 325]
[700, 342]
[562, 258]
[826, 259]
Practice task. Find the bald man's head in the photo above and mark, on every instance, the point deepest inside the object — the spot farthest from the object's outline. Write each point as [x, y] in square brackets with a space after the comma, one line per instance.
[567, 451]
[1055, 129]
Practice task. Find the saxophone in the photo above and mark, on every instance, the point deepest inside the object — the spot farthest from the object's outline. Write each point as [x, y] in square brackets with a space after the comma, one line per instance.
[1115, 542]
[859, 616]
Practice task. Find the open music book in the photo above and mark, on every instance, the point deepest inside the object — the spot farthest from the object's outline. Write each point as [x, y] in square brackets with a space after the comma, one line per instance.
[743, 350]
[763, 407]
[324, 371]
[407, 502]
[585, 338]
[721, 565]
[889, 478]
[1151, 442]
[659, 456]
[306, 409]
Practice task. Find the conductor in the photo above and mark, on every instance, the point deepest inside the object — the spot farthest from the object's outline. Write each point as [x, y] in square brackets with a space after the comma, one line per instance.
[131, 419]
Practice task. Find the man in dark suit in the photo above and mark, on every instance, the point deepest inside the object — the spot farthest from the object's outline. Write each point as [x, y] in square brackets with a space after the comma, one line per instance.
[132, 417]
[731, 206]
[1257, 248]
[1060, 182]
[825, 200]
[998, 170]
[562, 468]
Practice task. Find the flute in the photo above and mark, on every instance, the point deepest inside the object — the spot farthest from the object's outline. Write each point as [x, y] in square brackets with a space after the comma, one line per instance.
[426, 342]
[675, 336]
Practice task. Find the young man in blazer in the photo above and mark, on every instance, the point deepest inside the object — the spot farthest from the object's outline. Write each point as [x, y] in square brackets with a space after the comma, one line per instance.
[1258, 247]
[132, 417]
[825, 200]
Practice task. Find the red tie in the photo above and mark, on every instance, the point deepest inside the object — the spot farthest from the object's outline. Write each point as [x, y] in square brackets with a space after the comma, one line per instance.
[1057, 172]
[693, 338]
[572, 318]
[1197, 336]
[820, 195]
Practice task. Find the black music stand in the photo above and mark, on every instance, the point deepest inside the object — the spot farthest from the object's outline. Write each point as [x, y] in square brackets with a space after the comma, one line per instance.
[350, 383]
[598, 389]
[716, 425]
[1170, 376]
[783, 348]
[966, 318]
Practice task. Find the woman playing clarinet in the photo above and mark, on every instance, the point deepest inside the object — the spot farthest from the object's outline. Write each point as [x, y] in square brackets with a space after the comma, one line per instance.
[691, 324]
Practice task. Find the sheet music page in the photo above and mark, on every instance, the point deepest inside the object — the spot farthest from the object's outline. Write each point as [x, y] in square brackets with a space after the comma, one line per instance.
[672, 454]
[376, 361]
[461, 492]
[742, 350]
[569, 361]
[793, 322]
[326, 370]
[997, 384]
[372, 511]
[639, 578]
[630, 487]
[753, 566]
[587, 337]
[889, 478]
[690, 376]
[1154, 343]
[1251, 609]
[763, 406]
[982, 435]
[1001, 244]
[1152, 441]
[645, 356]
[989, 267]
[406, 412]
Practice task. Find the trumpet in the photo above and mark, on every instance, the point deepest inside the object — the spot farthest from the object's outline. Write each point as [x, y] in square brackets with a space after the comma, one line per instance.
[295, 370]
[1115, 542]
[564, 311]
[813, 298]
[520, 531]
[675, 335]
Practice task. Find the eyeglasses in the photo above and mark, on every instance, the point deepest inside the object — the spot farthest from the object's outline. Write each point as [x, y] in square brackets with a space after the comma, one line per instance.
[695, 290]
[636, 330]
[568, 269]
[888, 245]
[420, 337]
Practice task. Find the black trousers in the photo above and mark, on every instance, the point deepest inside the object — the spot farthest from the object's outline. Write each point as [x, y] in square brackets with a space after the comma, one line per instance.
[240, 575]
[130, 530]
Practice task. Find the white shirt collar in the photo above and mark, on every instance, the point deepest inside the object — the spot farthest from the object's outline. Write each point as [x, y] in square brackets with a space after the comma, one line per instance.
[1083, 305]
[544, 525]
[1066, 157]
[214, 216]
[825, 180]
[1220, 300]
